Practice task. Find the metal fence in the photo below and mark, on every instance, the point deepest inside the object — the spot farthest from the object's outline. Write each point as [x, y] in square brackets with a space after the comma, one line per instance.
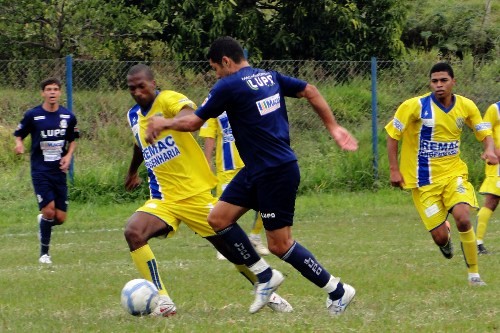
[362, 93]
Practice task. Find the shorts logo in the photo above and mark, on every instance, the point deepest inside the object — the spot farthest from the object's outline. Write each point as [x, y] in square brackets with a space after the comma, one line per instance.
[268, 105]
[429, 211]
[268, 215]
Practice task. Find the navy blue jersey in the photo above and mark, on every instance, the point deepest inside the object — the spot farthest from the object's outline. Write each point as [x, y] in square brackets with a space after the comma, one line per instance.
[50, 134]
[254, 100]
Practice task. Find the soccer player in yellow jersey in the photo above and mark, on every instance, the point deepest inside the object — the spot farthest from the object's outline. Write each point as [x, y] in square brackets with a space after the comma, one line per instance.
[491, 184]
[430, 127]
[219, 137]
[180, 183]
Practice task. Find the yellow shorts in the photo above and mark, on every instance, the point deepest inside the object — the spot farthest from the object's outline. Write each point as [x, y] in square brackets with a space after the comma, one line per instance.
[192, 211]
[223, 179]
[434, 201]
[490, 185]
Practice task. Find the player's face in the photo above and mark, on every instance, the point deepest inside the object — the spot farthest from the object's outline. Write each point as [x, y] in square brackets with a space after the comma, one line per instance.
[142, 89]
[51, 94]
[442, 84]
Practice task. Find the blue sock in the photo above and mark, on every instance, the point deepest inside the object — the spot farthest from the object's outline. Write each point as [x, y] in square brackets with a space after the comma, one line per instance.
[239, 243]
[303, 261]
[45, 233]
[337, 293]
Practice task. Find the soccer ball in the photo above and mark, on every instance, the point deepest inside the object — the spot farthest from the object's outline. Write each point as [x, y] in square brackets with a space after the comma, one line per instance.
[139, 297]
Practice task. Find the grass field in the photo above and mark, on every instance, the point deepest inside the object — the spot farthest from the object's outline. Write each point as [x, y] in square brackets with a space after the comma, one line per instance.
[373, 241]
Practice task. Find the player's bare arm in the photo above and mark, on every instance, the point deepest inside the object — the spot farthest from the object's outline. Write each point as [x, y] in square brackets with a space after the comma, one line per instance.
[157, 124]
[132, 179]
[19, 148]
[489, 154]
[396, 178]
[65, 162]
[342, 137]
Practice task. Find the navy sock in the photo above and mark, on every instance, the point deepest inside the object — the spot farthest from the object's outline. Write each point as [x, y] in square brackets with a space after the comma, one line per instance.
[240, 245]
[303, 261]
[337, 293]
[45, 233]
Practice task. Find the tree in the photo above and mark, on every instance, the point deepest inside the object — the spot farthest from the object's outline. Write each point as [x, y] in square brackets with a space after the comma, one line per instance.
[86, 28]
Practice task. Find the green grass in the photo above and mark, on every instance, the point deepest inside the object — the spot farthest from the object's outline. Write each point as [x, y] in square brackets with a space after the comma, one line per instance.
[373, 241]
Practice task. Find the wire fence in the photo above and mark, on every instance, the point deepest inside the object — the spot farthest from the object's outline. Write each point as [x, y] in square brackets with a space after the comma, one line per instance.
[362, 94]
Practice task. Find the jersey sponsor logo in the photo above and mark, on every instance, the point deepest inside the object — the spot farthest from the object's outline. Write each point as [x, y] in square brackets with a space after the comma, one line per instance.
[483, 126]
[161, 152]
[259, 80]
[65, 116]
[206, 99]
[397, 124]
[39, 118]
[53, 133]
[431, 149]
[268, 105]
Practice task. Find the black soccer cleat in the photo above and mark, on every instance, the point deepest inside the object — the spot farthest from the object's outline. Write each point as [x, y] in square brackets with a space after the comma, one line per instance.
[481, 249]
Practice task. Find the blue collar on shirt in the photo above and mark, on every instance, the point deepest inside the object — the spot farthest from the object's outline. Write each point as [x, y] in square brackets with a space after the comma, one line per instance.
[441, 106]
[144, 112]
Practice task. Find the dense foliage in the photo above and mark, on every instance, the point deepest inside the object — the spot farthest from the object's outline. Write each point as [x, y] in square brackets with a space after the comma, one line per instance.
[280, 29]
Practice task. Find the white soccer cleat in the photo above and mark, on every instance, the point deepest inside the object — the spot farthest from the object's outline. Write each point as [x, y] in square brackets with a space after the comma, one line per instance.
[476, 282]
[164, 308]
[45, 259]
[264, 291]
[337, 307]
[258, 246]
[279, 304]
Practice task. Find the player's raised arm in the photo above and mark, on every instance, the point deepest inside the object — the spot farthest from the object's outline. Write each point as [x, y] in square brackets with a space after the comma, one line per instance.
[342, 137]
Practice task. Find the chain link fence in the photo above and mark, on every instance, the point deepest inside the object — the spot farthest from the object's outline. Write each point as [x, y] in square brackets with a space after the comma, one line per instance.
[100, 99]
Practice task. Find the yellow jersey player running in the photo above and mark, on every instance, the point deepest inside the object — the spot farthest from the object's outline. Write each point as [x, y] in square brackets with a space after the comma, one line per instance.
[491, 184]
[180, 183]
[219, 137]
[430, 127]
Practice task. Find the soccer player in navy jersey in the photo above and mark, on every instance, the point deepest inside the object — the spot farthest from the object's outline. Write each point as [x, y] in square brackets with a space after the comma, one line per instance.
[53, 132]
[254, 100]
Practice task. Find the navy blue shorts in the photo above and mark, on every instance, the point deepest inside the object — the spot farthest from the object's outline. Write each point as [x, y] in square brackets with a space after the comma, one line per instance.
[273, 194]
[51, 187]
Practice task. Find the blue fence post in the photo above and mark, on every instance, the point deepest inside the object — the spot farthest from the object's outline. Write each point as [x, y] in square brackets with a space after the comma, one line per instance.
[374, 118]
[69, 105]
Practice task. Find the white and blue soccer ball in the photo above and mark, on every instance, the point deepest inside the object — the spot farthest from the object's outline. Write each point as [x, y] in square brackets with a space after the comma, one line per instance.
[139, 297]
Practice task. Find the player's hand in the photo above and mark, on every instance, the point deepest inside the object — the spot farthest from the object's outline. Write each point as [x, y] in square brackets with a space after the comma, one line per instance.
[156, 125]
[396, 179]
[64, 163]
[490, 157]
[19, 149]
[344, 139]
[132, 181]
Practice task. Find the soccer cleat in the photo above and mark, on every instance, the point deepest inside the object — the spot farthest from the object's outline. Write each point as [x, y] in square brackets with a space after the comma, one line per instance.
[45, 259]
[279, 304]
[220, 256]
[264, 291]
[481, 249]
[258, 246]
[447, 250]
[476, 281]
[337, 307]
[164, 308]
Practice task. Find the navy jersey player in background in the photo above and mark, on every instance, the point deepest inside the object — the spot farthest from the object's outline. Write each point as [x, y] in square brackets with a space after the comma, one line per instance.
[254, 100]
[53, 131]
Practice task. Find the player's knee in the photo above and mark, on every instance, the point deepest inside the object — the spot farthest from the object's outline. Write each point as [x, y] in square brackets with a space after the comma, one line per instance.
[279, 248]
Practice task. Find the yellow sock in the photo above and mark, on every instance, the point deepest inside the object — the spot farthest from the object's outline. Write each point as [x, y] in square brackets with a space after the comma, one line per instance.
[469, 248]
[483, 217]
[257, 224]
[145, 261]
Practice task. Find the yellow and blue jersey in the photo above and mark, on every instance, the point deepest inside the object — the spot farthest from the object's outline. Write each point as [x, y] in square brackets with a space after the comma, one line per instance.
[177, 168]
[430, 150]
[492, 116]
[227, 157]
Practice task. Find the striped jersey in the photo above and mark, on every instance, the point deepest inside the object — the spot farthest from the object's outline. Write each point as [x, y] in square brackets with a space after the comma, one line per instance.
[226, 155]
[431, 133]
[492, 116]
[176, 166]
